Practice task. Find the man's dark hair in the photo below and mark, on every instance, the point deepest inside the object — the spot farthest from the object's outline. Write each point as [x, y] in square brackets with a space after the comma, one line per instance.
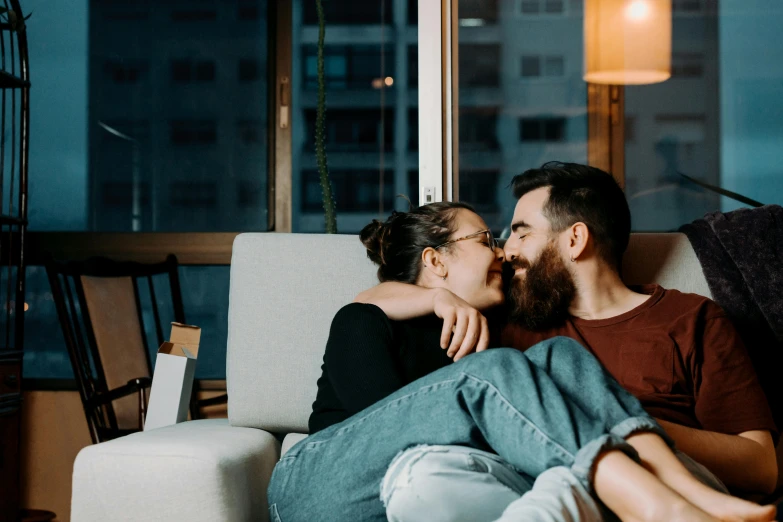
[586, 194]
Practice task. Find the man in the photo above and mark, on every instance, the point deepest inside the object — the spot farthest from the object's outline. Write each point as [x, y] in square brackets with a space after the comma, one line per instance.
[678, 353]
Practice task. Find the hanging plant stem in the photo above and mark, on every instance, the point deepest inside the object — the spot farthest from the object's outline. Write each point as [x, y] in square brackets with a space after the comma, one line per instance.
[330, 212]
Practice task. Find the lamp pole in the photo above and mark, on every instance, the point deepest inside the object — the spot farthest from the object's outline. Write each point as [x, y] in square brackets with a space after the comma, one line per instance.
[135, 175]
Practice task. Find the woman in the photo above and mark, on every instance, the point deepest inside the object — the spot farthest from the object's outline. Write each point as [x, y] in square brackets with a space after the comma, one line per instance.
[387, 387]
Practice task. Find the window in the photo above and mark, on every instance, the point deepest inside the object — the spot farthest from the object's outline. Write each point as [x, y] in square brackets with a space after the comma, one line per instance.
[193, 194]
[413, 66]
[478, 129]
[480, 186]
[348, 67]
[193, 15]
[542, 129]
[534, 66]
[687, 65]
[630, 129]
[536, 7]
[687, 6]
[250, 132]
[125, 72]
[193, 132]
[368, 12]
[353, 129]
[479, 65]
[354, 191]
[482, 11]
[248, 194]
[247, 70]
[192, 71]
[413, 130]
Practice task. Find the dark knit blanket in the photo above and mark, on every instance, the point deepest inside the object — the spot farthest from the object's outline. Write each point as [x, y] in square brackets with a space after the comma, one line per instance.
[741, 254]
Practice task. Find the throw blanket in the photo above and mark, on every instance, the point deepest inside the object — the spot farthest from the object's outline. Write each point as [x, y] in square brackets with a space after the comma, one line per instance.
[741, 253]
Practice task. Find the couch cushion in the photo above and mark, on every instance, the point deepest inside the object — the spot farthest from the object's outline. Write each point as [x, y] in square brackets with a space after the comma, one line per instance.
[285, 289]
[667, 259]
[202, 470]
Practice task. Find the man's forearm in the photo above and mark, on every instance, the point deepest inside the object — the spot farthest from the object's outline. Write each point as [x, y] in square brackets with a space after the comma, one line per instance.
[399, 301]
[741, 463]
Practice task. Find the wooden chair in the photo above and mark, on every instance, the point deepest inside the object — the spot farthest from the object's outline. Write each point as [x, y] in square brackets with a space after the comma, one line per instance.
[100, 310]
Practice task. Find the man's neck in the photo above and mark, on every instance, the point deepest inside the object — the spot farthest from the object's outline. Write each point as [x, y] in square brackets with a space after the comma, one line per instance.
[601, 294]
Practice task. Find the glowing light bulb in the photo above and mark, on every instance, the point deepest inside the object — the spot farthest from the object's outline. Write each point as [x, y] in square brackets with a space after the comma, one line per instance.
[637, 10]
[389, 81]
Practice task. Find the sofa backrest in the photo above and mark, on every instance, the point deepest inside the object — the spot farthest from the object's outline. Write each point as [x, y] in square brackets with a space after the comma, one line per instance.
[285, 289]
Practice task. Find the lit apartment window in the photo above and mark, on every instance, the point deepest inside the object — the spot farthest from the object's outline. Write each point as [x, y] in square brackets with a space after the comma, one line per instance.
[534, 66]
[124, 72]
[687, 65]
[353, 129]
[478, 129]
[542, 129]
[247, 70]
[193, 194]
[537, 7]
[479, 65]
[347, 67]
[192, 132]
[354, 190]
[192, 71]
[193, 15]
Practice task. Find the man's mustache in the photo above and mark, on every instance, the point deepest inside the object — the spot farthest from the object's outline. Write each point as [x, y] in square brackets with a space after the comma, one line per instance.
[518, 263]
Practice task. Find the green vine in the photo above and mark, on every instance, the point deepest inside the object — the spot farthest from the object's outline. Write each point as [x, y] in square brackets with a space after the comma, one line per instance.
[330, 213]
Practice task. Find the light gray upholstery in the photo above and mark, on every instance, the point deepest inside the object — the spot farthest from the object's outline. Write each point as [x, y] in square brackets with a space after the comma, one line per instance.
[285, 289]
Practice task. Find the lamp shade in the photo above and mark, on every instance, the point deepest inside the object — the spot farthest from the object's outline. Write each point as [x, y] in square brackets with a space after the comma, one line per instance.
[627, 42]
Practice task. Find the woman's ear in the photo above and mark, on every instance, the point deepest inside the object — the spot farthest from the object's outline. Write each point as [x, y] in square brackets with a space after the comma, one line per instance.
[434, 263]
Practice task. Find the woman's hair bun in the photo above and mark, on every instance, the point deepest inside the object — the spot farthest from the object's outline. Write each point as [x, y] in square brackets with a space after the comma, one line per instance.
[373, 237]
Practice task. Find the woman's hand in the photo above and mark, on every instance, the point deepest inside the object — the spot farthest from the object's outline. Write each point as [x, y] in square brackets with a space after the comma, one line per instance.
[465, 329]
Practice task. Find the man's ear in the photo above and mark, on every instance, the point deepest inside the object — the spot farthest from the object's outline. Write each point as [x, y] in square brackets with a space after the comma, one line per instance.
[434, 262]
[578, 237]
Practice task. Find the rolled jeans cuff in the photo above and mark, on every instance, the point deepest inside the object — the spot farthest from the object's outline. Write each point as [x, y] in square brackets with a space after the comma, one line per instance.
[586, 458]
[633, 425]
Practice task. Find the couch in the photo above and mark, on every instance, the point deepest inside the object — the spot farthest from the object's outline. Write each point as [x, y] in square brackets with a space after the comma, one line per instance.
[284, 291]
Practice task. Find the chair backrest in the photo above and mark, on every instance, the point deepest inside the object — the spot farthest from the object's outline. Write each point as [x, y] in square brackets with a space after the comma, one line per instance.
[100, 307]
[285, 289]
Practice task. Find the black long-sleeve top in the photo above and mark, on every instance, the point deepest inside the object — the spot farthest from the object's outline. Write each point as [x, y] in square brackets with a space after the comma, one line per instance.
[368, 357]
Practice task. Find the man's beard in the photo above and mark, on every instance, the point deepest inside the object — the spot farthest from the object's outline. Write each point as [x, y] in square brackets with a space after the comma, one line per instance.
[541, 299]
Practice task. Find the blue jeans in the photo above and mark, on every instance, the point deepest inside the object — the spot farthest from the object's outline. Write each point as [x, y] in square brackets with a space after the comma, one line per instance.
[553, 405]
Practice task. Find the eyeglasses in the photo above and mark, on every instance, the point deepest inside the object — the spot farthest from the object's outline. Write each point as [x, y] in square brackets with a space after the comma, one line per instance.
[491, 242]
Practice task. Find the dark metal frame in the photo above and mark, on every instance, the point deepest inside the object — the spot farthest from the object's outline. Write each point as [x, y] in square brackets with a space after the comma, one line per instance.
[70, 301]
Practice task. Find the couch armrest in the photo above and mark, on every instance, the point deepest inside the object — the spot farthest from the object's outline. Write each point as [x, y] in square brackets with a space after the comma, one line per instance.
[199, 470]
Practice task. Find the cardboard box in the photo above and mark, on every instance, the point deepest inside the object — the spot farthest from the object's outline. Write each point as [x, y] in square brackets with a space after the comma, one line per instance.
[172, 381]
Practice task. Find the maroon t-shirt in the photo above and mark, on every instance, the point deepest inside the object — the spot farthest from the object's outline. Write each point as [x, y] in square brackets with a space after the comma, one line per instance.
[678, 354]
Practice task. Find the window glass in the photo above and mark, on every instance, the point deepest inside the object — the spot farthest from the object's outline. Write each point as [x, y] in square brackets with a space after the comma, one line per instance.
[522, 100]
[371, 121]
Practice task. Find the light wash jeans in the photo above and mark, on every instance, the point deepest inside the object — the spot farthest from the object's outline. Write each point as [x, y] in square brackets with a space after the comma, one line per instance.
[553, 405]
[461, 484]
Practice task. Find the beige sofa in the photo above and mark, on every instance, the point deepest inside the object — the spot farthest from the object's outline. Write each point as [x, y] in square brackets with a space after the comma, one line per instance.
[285, 289]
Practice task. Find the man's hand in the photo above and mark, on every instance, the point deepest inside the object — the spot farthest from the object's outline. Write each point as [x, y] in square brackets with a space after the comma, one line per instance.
[465, 329]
